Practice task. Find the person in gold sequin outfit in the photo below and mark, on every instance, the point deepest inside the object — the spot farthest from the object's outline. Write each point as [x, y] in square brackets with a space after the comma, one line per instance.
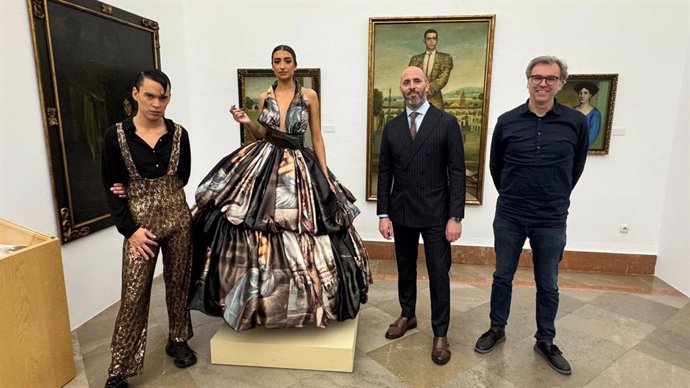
[150, 155]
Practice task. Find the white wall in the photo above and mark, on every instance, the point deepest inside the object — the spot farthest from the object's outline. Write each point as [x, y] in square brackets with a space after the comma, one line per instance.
[673, 263]
[204, 42]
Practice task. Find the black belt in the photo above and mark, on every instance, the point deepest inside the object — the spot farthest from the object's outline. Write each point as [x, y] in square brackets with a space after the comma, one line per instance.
[284, 140]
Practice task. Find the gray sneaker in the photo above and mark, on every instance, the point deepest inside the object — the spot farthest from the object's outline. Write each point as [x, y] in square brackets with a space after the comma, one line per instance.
[553, 356]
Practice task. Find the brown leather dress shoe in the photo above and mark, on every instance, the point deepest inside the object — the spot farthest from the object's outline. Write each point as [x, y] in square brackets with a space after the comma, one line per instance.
[398, 328]
[441, 351]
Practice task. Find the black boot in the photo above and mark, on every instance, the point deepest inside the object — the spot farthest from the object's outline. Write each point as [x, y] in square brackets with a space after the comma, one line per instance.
[182, 355]
[116, 382]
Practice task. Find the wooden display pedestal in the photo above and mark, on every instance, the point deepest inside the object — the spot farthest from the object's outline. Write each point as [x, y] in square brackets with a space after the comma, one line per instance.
[329, 349]
[34, 321]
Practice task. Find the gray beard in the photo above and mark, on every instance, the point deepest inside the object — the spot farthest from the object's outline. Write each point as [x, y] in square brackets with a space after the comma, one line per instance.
[415, 102]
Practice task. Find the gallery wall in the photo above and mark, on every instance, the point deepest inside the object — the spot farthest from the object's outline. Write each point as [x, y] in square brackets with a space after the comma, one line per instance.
[673, 263]
[204, 42]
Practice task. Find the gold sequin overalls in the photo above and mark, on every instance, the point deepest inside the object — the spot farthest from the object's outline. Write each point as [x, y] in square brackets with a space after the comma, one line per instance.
[158, 205]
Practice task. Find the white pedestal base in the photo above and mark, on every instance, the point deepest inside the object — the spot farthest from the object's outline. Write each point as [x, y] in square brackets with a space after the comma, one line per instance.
[329, 349]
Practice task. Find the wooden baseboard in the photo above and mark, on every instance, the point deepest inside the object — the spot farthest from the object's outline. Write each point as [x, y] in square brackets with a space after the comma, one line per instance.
[619, 263]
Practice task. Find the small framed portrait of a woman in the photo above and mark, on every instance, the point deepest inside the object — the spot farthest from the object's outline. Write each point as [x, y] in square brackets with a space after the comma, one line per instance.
[593, 95]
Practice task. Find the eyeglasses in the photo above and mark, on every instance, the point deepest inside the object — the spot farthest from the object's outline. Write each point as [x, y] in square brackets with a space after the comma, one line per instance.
[550, 80]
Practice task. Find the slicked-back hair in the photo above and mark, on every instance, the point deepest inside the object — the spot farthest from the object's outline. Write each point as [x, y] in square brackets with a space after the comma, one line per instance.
[154, 75]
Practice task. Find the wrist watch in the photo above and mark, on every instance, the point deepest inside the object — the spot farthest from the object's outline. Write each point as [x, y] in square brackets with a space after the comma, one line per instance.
[456, 219]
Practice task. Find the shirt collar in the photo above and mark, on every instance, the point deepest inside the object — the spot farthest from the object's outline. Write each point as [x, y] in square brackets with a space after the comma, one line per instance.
[128, 126]
[557, 108]
[431, 52]
[421, 110]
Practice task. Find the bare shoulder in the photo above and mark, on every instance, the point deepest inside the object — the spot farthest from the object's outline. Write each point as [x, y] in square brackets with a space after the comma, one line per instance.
[310, 94]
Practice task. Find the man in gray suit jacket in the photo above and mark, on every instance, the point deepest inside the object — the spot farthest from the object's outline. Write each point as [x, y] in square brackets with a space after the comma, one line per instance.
[421, 190]
[436, 67]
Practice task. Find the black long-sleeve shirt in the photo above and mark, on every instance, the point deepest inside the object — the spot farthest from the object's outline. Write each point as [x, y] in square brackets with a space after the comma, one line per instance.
[536, 161]
[150, 163]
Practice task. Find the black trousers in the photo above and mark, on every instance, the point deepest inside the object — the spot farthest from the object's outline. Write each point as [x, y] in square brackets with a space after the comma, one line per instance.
[437, 254]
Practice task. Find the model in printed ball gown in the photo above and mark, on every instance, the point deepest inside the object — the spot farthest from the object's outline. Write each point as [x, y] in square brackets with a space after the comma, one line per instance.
[274, 243]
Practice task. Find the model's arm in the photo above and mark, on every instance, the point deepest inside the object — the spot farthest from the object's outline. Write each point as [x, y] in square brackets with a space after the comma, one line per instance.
[315, 126]
[258, 130]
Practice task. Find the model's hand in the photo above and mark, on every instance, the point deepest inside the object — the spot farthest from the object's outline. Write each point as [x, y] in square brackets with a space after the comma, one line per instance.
[239, 115]
[142, 244]
[453, 230]
[331, 185]
[386, 228]
[119, 189]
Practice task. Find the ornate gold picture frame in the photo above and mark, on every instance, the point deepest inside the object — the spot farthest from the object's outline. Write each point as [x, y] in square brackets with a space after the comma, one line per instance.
[460, 79]
[595, 96]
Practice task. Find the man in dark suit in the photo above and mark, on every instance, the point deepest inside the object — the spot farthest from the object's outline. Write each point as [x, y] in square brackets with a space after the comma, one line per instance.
[436, 67]
[421, 190]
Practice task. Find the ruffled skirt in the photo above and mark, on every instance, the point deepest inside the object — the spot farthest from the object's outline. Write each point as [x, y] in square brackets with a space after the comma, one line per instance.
[274, 243]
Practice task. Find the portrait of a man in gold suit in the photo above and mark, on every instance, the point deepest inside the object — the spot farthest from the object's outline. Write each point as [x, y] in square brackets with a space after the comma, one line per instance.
[436, 65]
[456, 58]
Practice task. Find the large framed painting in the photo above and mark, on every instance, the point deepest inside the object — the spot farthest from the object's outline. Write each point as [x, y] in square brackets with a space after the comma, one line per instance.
[252, 82]
[459, 75]
[594, 95]
[88, 55]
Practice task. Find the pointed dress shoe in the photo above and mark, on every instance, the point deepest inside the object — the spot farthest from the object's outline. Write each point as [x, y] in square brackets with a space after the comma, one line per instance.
[398, 328]
[440, 353]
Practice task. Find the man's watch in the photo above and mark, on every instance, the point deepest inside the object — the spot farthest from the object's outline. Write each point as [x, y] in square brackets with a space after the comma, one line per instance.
[456, 219]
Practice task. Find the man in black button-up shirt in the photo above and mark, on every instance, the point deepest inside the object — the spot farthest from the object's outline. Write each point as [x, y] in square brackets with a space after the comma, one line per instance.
[538, 153]
[151, 162]
[150, 156]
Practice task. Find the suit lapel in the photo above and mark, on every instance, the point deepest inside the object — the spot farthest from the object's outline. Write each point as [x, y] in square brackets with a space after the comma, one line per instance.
[402, 130]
